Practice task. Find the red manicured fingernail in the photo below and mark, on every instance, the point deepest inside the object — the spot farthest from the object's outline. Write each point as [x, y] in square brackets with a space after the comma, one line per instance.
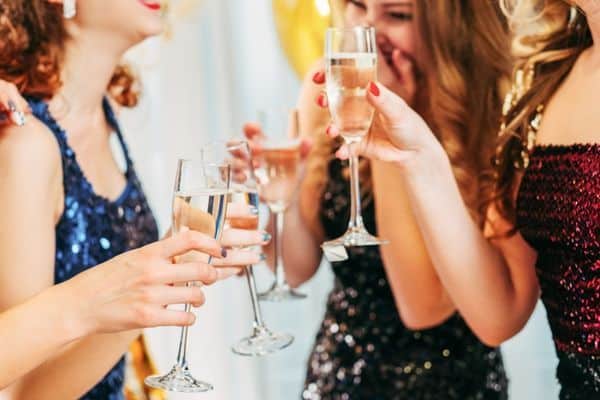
[328, 131]
[321, 101]
[373, 89]
[319, 78]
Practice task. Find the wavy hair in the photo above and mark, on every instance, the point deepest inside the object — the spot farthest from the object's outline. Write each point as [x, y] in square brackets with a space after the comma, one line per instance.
[549, 37]
[32, 51]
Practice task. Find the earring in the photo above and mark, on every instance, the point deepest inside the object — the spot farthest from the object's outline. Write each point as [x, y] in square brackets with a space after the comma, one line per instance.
[69, 9]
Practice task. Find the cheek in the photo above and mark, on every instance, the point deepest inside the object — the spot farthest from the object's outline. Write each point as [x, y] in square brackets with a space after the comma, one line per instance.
[403, 38]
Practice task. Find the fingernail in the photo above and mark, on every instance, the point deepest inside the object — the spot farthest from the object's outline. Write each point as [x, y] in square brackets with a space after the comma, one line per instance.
[12, 106]
[262, 257]
[19, 118]
[374, 89]
[319, 78]
[321, 100]
[267, 237]
[254, 210]
[224, 252]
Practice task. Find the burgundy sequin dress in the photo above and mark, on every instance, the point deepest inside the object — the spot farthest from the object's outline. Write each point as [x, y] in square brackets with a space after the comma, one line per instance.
[558, 213]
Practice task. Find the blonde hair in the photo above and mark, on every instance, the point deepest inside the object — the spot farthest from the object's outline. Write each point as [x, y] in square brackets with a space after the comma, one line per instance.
[464, 59]
[549, 37]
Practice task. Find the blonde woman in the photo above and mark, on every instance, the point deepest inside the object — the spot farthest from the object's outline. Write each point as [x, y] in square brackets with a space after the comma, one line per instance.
[373, 342]
[544, 214]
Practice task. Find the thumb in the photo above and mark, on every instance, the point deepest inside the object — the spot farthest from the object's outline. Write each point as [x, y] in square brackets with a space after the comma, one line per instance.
[387, 103]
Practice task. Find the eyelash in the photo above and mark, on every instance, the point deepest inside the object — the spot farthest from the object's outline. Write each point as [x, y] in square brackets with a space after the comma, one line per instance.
[399, 16]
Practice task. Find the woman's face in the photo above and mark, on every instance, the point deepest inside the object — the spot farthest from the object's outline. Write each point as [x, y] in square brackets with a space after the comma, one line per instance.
[131, 20]
[396, 31]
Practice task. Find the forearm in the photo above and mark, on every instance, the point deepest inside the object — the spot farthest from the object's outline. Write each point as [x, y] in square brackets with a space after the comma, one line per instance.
[421, 299]
[473, 271]
[33, 332]
[78, 367]
[301, 251]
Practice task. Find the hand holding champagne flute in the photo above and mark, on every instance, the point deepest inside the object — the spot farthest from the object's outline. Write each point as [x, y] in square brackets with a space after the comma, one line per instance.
[351, 63]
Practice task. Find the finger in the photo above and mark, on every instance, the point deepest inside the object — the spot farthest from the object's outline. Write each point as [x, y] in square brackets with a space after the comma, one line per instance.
[227, 272]
[306, 146]
[186, 272]
[319, 77]
[390, 105]
[168, 295]
[166, 317]
[236, 258]
[244, 238]
[13, 105]
[376, 149]
[332, 131]
[187, 241]
[253, 131]
[322, 100]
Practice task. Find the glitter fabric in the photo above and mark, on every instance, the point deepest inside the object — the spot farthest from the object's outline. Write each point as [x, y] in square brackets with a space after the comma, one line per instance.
[93, 229]
[558, 213]
[363, 351]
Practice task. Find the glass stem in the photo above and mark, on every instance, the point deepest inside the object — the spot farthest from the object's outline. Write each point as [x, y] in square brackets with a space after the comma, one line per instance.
[258, 320]
[183, 342]
[279, 272]
[356, 221]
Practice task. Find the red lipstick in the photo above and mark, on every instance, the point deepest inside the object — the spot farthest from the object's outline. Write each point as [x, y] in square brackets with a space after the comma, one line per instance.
[152, 5]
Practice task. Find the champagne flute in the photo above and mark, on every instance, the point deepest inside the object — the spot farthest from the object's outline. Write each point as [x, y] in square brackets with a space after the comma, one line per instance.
[351, 63]
[199, 203]
[244, 201]
[278, 174]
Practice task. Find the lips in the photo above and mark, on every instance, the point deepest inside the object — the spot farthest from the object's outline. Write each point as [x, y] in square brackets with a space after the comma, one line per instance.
[152, 5]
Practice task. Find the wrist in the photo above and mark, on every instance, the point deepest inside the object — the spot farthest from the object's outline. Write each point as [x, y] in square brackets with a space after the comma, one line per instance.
[72, 311]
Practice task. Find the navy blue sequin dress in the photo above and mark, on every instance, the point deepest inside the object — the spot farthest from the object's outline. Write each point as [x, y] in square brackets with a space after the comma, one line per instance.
[93, 229]
[363, 351]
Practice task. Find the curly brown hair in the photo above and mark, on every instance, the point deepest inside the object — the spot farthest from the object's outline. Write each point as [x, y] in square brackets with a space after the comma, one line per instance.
[550, 36]
[32, 51]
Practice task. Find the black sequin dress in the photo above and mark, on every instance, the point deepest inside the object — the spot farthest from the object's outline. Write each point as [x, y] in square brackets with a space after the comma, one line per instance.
[363, 351]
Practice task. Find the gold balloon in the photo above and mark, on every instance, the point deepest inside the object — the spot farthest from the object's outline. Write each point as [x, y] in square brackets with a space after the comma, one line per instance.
[301, 26]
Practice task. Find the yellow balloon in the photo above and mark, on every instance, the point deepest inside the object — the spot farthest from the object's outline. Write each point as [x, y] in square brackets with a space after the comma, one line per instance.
[301, 26]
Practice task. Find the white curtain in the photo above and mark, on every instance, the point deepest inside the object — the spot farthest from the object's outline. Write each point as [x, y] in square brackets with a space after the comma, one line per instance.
[221, 64]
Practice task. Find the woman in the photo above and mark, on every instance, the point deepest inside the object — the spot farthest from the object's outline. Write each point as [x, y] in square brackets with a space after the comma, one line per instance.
[62, 193]
[109, 298]
[365, 349]
[544, 213]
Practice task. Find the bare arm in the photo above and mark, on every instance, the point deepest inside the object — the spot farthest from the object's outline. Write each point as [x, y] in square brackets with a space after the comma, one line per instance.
[493, 284]
[30, 191]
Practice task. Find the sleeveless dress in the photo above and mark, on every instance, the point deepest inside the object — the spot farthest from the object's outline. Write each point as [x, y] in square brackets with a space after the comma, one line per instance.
[94, 229]
[363, 351]
[558, 213]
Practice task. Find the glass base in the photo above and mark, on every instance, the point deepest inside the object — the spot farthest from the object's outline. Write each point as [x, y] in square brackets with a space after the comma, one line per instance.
[262, 342]
[279, 293]
[355, 237]
[178, 379]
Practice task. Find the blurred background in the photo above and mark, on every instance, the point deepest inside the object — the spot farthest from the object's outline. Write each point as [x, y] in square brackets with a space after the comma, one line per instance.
[218, 63]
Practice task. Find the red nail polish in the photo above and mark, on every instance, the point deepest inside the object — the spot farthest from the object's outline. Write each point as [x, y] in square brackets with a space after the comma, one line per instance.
[373, 89]
[328, 130]
[321, 100]
[319, 78]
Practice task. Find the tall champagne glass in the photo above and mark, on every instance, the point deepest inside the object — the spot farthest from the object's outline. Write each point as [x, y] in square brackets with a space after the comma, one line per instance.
[243, 214]
[351, 63]
[199, 203]
[278, 175]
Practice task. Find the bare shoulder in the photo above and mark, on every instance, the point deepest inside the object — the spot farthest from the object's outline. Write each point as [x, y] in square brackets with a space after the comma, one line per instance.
[29, 152]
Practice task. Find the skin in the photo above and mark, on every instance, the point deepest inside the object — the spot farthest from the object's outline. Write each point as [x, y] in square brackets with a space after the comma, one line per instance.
[102, 31]
[492, 282]
[407, 264]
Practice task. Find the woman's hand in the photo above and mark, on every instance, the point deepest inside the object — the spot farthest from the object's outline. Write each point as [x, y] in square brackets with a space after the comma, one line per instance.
[13, 107]
[131, 290]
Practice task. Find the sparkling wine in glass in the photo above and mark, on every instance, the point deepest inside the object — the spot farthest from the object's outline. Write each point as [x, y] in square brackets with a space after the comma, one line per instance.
[351, 63]
[199, 203]
[278, 174]
[243, 214]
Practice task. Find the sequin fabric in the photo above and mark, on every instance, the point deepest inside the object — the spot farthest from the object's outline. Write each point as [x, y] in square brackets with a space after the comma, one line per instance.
[363, 351]
[93, 229]
[558, 213]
